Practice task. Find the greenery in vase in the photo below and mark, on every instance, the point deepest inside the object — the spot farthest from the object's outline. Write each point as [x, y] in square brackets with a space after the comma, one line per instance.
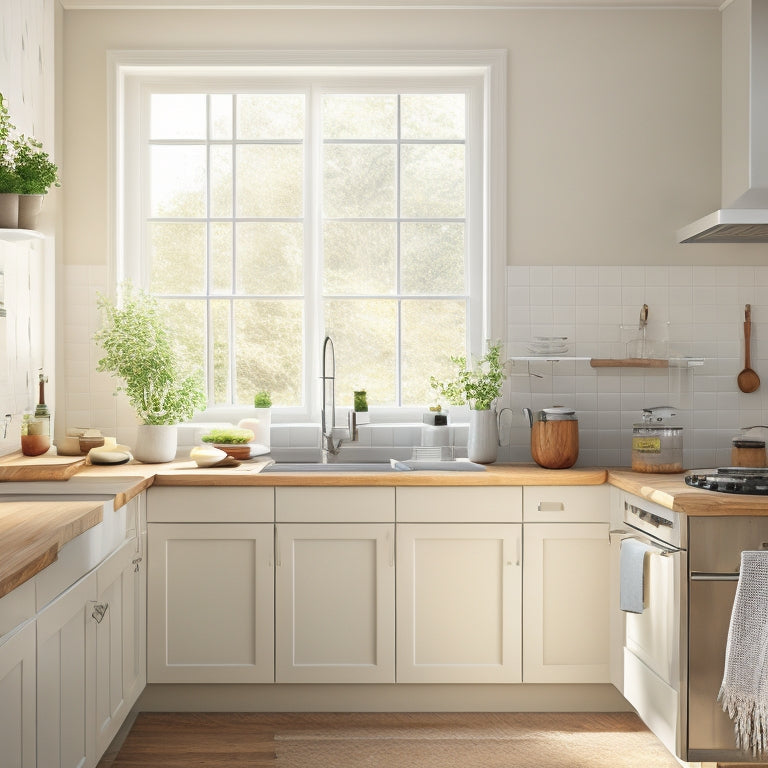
[262, 400]
[35, 170]
[478, 386]
[25, 168]
[8, 179]
[138, 349]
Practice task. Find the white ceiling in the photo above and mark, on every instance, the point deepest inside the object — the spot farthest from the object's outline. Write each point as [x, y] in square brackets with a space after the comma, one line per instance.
[379, 4]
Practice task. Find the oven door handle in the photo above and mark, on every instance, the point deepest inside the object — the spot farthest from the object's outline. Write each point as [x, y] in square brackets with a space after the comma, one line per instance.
[657, 548]
[705, 576]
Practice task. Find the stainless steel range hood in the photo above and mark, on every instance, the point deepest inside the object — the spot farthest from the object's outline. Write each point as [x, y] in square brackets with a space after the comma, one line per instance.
[745, 131]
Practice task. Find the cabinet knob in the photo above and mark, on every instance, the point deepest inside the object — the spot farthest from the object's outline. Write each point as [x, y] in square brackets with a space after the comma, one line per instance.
[136, 561]
[99, 611]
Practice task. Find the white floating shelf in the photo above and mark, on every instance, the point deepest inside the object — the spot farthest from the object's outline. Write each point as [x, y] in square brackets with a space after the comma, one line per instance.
[17, 235]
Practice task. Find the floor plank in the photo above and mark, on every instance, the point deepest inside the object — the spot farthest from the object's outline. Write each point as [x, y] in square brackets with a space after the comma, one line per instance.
[393, 740]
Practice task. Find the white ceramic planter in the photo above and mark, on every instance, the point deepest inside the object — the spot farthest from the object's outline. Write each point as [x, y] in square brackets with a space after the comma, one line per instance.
[156, 443]
[483, 441]
[260, 425]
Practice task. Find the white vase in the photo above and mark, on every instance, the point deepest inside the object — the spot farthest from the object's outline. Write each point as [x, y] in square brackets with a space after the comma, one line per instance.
[483, 441]
[260, 425]
[156, 443]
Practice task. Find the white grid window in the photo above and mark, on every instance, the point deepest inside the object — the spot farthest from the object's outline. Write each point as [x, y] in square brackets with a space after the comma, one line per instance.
[273, 211]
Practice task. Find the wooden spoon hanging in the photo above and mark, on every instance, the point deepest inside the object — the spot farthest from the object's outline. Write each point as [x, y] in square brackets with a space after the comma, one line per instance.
[748, 380]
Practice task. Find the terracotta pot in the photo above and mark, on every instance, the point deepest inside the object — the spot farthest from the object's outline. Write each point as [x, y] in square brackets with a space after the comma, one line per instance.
[29, 210]
[9, 210]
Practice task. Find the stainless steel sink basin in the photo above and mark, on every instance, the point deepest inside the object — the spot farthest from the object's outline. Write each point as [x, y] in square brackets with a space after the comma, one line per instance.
[361, 466]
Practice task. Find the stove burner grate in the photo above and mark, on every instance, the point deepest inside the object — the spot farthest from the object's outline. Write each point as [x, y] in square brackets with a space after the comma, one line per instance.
[752, 480]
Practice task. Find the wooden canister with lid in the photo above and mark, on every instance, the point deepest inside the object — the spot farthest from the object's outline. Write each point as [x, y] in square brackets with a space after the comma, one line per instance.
[747, 452]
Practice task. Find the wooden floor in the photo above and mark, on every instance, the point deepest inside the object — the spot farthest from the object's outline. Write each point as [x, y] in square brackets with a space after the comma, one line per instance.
[397, 740]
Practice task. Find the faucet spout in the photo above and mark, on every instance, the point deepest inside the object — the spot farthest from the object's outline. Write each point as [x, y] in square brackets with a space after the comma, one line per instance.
[330, 444]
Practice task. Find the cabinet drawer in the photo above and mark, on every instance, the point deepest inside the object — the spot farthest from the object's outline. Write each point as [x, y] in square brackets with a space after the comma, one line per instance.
[210, 505]
[335, 505]
[566, 504]
[460, 505]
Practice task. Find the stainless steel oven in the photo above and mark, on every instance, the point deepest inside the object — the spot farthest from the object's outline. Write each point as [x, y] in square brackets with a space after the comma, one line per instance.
[674, 651]
[715, 547]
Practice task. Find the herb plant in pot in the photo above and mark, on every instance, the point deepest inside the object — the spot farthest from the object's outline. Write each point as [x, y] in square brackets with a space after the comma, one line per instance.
[9, 182]
[479, 387]
[139, 351]
[261, 421]
[36, 174]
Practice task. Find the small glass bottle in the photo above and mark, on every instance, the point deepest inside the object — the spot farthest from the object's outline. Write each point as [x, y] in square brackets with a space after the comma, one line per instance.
[35, 434]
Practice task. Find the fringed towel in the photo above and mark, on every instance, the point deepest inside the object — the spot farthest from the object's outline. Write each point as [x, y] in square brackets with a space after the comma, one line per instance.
[744, 692]
[631, 575]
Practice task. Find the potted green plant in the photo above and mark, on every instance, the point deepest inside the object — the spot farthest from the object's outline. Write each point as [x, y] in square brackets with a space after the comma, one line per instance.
[138, 350]
[261, 421]
[479, 387]
[9, 181]
[36, 173]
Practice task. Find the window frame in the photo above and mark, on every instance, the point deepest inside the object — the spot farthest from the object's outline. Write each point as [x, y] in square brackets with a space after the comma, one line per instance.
[480, 74]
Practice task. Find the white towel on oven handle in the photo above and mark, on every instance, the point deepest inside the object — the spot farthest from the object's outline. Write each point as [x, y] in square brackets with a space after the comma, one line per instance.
[744, 692]
[632, 575]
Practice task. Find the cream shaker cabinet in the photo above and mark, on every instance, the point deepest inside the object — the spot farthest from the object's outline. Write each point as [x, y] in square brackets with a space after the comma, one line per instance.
[566, 584]
[334, 585]
[66, 678]
[210, 585]
[120, 638]
[18, 692]
[459, 582]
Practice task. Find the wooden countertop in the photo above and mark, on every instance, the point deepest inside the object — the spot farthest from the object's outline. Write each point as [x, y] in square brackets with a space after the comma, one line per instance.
[188, 473]
[33, 532]
[671, 491]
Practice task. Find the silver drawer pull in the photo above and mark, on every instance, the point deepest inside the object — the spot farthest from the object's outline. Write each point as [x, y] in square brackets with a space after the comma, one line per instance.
[99, 611]
[551, 506]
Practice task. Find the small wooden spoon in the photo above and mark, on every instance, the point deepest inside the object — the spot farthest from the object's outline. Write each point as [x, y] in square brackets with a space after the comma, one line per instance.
[748, 380]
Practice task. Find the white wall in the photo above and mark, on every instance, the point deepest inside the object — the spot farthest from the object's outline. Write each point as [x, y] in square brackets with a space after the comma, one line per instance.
[26, 330]
[613, 144]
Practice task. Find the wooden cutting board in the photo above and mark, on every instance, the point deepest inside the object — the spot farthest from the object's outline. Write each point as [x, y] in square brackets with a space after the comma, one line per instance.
[18, 467]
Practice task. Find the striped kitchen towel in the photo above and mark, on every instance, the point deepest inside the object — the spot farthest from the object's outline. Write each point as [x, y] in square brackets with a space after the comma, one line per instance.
[744, 692]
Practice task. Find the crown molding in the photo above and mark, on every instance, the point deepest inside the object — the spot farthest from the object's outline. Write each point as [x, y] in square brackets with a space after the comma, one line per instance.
[378, 5]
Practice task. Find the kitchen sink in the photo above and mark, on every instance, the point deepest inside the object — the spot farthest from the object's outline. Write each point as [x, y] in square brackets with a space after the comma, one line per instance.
[360, 466]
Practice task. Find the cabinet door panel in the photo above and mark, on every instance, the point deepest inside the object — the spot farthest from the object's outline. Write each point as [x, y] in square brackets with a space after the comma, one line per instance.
[566, 603]
[210, 603]
[335, 603]
[66, 636]
[118, 682]
[459, 603]
[17, 699]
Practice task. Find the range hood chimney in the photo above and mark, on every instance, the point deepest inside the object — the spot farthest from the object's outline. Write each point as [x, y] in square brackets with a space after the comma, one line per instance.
[745, 131]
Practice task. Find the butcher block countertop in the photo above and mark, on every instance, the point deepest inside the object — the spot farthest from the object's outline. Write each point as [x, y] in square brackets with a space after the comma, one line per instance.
[33, 532]
[671, 491]
[187, 473]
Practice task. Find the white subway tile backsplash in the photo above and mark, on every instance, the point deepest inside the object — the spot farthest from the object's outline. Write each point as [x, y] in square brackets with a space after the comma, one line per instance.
[704, 306]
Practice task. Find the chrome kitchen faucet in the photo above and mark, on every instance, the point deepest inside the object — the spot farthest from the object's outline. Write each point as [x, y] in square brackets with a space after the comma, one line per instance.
[331, 446]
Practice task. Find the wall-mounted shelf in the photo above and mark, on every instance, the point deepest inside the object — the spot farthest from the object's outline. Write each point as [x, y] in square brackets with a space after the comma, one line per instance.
[17, 235]
[646, 362]
[625, 362]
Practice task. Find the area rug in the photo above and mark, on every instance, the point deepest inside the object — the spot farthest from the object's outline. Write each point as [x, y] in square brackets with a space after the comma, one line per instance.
[392, 740]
